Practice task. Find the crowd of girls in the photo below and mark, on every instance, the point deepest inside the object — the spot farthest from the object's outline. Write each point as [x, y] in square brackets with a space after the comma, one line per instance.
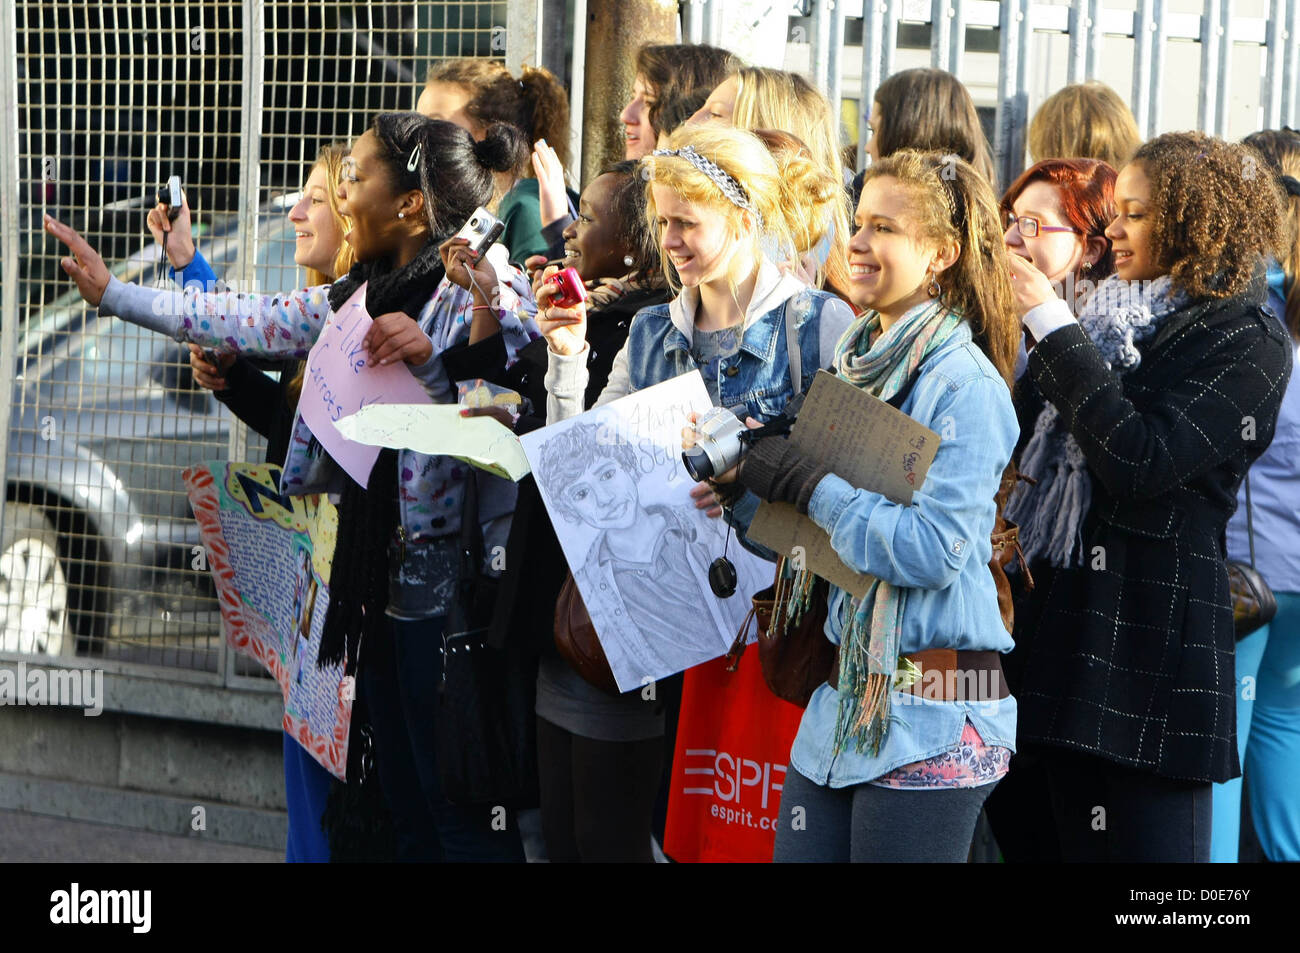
[1119, 325]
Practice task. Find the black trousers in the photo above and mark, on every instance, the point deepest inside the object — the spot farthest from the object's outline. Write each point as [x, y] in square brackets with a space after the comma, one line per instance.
[1110, 813]
[597, 796]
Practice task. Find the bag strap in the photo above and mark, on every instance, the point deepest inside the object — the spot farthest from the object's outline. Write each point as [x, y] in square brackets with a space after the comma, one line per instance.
[1250, 523]
[792, 348]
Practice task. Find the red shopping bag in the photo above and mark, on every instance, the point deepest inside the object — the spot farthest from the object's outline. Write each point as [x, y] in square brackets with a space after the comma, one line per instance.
[729, 764]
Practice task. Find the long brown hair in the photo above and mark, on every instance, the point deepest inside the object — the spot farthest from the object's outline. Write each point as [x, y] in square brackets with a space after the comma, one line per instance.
[674, 71]
[1281, 149]
[929, 109]
[951, 202]
[1084, 121]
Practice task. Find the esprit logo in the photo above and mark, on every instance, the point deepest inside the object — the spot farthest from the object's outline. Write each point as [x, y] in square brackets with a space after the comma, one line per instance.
[731, 775]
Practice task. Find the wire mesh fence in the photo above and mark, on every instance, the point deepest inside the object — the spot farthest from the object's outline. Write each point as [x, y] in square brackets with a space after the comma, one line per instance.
[100, 555]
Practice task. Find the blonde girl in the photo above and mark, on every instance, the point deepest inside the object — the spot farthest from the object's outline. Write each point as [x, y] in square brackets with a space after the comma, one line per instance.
[888, 768]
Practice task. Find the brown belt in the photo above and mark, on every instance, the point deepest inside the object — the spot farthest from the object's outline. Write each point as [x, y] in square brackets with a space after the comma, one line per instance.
[950, 675]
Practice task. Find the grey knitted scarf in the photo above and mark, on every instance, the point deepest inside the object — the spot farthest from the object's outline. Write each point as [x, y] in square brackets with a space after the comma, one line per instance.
[1117, 318]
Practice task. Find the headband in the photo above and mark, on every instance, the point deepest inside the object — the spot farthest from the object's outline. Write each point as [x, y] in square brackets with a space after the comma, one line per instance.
[729, 186]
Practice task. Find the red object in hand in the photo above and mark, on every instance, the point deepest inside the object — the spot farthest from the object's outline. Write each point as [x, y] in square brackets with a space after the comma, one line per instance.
[569, 288]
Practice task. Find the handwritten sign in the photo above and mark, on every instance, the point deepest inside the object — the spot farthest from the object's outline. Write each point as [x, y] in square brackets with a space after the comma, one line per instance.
[338, 383]
[440, 429]
[862, 440]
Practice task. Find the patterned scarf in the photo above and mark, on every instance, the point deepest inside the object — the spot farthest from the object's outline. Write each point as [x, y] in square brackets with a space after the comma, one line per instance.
[1119, 316]
[872, 627]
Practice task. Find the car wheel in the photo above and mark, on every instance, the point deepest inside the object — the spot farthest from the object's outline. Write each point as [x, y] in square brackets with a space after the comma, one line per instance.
[34, 586]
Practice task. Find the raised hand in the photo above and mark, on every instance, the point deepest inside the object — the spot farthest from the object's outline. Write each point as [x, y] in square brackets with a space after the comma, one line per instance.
[180, 233]
[553, 201]
[85, 266]
[565, 329]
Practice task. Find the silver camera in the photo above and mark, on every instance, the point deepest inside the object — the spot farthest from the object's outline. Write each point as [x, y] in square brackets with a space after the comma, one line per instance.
[482, 229]
[718, 444]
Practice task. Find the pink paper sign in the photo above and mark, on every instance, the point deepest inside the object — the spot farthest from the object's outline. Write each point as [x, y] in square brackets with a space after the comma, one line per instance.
[338, 383]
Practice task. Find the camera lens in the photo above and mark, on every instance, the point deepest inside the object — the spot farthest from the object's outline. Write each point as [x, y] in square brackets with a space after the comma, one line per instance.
[697, 463]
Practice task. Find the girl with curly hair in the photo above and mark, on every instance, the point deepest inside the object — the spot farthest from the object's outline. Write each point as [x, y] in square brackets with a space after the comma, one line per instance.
[1158, 397]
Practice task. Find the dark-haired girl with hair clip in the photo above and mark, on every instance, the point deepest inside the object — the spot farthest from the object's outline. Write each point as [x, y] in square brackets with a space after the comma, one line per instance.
[408, 185]
[1159, 394]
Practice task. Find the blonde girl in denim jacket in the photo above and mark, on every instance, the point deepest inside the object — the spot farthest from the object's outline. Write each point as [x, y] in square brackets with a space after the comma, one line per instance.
[888, 766]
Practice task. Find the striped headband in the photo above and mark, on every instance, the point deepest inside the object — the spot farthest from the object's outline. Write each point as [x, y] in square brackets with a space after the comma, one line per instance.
[729, 186]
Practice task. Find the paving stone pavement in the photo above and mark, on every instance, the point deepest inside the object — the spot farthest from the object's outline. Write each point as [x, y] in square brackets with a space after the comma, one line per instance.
[35, 838]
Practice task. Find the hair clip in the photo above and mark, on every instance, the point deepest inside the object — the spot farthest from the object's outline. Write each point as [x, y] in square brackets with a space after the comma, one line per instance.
[414, 161]
[1291, 184]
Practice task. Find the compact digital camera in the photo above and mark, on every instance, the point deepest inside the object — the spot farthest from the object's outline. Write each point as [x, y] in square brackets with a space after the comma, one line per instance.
[170, 195]
[482, 229]
[718, 444]
[569, 288]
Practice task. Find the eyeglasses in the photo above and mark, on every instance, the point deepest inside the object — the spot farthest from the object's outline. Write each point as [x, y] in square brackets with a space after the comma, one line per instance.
[1030, 226]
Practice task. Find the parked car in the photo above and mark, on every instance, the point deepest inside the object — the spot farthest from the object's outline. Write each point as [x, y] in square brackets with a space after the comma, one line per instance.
[99, 541]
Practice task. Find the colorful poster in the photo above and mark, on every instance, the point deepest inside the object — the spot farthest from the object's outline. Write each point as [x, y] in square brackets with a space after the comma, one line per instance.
[619, 497]
[338, 383]
[270, 558]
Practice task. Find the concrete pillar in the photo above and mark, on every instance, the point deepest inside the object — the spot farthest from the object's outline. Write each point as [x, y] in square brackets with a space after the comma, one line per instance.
[616, 29]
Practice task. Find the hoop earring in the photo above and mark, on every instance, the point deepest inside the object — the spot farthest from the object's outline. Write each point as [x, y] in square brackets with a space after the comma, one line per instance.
[933, 289]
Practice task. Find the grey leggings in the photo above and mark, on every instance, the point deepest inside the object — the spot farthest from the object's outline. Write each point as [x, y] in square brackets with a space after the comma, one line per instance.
[869, 824]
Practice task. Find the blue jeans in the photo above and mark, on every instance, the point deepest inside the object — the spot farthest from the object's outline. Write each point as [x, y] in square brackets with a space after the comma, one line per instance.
[401, 677]
[1273, 751]
[1225, 833]
[306, 788]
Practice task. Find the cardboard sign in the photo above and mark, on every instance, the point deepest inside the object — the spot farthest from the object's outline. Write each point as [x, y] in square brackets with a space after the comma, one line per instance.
[862, 440]
[338, 383]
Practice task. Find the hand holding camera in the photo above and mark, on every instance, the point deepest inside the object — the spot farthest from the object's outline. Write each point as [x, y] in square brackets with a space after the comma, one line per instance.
[562, 311]
[169, 223]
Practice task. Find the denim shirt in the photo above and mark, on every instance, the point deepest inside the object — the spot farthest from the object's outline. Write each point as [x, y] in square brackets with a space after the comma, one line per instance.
[1274, 482]
[757, 376]
[938, 547]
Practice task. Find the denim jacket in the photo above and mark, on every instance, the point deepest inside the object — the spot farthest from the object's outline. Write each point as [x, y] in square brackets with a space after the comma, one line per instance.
[658, 348]
[287, 325]
[938, 546]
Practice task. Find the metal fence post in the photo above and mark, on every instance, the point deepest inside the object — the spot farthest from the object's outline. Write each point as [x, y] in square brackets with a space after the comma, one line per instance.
[1159, 34]
[8, 225]
[941, 35]
[1211, 37]
[1013, 100]
[1291, 67]
[1143, 34]
[1274, 58]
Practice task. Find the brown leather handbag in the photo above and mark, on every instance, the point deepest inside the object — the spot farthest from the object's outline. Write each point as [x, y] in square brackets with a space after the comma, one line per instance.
[576, 641]
[1253, 602]
[795, 654]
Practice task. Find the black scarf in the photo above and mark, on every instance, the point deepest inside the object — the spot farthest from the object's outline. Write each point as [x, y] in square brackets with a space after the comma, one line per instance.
[369, 515]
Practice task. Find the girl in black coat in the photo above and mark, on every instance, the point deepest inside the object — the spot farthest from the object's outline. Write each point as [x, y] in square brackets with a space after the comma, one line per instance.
[1157, 398]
